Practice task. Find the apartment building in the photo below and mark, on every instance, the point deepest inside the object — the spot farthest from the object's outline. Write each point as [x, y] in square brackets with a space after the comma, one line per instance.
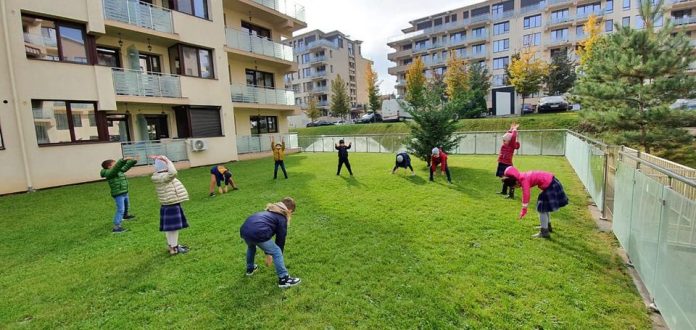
[321, 58]
[89, 80]
[490, 32]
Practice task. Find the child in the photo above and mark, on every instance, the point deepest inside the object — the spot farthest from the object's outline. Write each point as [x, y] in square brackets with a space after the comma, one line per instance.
[343, 156]
[113, 171]
[258, 230]
[507, 150]
[439, 157]
[218, 175]
[551, 199]
[171, 192]
[279, 157]
[403, 160]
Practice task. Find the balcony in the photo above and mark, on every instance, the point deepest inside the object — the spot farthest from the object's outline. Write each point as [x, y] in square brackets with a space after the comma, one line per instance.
[398, 69]
[262, 95]
[503, 15]
[477, 55]
[428, 61]
[683, 20]
[557, 21]
[553, 42]
[244, 41]
[139, 14]
[316, 45]
[480, 18]
[317, 75]
[320, 90]
[680, 4]
[478, 37]
[323, 103]
[400, 54]
[533, 8]
[586, 15]
[285, 7]
[456, 42]
[147, 84]
[439, 28]
[317, 59]
[400, 82]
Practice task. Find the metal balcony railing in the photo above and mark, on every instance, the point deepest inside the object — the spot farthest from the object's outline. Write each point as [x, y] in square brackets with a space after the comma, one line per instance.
[684, 20]
[150, 84]
[285, 7]
[262, 95]
[174, 149]
[139, 14]
[258, 45]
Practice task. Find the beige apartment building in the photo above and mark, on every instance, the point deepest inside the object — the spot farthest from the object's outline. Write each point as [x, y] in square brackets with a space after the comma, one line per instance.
[490, 32]
[321, 58]
[89, 80]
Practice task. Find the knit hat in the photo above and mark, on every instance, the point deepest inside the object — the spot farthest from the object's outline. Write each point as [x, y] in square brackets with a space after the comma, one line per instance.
[436, 151]
[160, 166]
[399, 158]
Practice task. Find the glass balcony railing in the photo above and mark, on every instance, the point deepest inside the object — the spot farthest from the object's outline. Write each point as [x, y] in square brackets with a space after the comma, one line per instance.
[140, 14]
[262, 95]
[315, 44]
[320, 89]
[503, 15]
[149, 84]
[480, 18]
[684, 20]
[587, 14]
[285, 7]
[258, 45]
[437, 28]
[557, 2]
[528, 9]
[317, 59]
[558, 20]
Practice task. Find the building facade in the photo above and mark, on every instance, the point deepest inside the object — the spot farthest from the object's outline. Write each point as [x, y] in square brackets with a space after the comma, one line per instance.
[321, 58]
[490, 32]
[89, 80]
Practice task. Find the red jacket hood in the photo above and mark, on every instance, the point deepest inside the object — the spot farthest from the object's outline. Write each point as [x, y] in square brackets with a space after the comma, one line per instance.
[512, 172]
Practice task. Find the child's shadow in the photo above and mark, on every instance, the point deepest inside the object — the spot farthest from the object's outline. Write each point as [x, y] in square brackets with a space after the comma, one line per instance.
[416, 179]
[352, 181]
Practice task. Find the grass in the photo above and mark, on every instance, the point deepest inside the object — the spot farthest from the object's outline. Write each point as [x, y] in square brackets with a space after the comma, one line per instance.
[537, 121]
[373, 251]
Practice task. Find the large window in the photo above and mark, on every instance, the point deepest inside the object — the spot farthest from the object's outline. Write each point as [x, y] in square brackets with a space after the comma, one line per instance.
[479, 32]
[53, 40]
[532, 21]
[559, 35]
[118, 127]
[626, 21]
[198, 8]
[501, 45]
[191, 61]
[639, 22]
[533, 39]
[478, 49]
[626, 4]
[587, 10]
[264, 124]
[500, 62]
[259, 78]
[67, 122]
[609, 6]
[609, 25]
[457, 37]
[580, 31]
[110, 57]
[559, 16]
[501, 28]
[198, 121]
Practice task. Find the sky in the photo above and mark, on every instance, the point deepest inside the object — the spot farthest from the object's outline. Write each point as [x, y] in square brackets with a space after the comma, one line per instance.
[373, 22]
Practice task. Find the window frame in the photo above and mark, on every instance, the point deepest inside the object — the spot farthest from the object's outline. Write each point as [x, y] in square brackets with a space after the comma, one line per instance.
[505, 25]
[609, 23]
[174, 5]
[504, 48]
[116, 50]
[263, 74]
[185, 129]
[100, 117]
[258, 130]
[504, 59]
[89, 41]
[527, 22]
[181, 71]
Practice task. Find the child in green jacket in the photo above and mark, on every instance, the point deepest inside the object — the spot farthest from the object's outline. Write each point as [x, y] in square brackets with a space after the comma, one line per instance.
[113, 171]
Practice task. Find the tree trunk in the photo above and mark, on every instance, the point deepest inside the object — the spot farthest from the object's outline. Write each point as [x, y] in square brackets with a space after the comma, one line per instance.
[521, 108]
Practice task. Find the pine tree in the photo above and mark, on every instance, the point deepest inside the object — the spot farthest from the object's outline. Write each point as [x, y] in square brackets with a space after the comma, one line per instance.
[372, 90]
[340, 103]
[561, 77]
[433, 125]
[312, 110]
[416, 84]
[527, 73]
[631, 79]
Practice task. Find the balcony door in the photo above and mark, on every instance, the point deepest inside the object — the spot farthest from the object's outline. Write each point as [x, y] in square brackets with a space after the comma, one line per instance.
[149, 63]
[259, 79]
[157, 127]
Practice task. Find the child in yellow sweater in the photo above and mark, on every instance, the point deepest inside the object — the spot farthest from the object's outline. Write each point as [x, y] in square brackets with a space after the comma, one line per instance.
[279, 157]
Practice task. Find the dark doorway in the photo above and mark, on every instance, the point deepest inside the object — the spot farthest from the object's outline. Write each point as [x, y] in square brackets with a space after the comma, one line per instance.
[157, 127]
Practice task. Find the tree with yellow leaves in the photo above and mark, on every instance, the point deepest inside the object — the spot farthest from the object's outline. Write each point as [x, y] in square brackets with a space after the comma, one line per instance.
[527, 73]
[416, 84]
[456, 79]
[593, 31]
[371, 77]
[312, 110]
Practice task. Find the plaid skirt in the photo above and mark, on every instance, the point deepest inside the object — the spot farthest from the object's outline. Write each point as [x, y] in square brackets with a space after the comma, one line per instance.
[501, 169]
[172, 218]
[553, 198]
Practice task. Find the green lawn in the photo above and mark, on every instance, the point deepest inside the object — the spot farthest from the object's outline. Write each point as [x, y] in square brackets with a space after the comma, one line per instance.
[373, 251]
[568, 120]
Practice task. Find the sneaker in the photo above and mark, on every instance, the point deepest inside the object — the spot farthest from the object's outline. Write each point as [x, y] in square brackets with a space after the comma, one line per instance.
[182, 249]
[128, 217]
[212, 195]
[249, 273]
[119, 230]
[288, 281]
[543, 233]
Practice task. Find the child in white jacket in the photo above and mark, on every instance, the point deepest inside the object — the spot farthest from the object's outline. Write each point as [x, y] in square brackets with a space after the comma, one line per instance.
[171, 192]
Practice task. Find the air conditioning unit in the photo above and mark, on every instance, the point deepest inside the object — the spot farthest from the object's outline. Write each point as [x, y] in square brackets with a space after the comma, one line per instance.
[199, 145]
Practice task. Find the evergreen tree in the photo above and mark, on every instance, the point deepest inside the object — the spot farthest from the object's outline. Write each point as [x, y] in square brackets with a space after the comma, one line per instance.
[433, 125]
[312, 111]
[527, 73]
[631, 79]
[372, 90]
[561, 77]
[340, 103]
[416, 84]
[479, 81]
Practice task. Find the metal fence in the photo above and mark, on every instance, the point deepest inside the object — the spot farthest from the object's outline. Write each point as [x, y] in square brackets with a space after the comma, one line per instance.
[174, 149]
[260, 143]
[589, 160]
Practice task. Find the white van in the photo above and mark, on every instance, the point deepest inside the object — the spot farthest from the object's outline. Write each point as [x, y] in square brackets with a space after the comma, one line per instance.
[392, 111]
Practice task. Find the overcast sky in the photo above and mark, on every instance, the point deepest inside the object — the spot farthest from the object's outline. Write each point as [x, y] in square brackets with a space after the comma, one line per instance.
[373, 22]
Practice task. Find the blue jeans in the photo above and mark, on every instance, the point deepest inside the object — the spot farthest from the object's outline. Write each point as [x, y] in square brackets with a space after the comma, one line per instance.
[270, 248]
[281, 164]
[122, 202]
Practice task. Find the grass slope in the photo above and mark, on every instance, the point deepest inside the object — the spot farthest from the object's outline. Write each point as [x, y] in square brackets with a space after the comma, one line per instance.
[373, 251]
[538, 121]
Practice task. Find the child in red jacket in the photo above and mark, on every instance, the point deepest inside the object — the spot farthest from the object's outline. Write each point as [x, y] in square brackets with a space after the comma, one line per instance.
[439, 157]
[507, 151]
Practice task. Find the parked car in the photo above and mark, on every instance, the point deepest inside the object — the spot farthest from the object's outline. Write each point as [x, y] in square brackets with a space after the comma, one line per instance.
[527, 109]
[319, 123]
[684, 104]
[368, 118]
[552, 103]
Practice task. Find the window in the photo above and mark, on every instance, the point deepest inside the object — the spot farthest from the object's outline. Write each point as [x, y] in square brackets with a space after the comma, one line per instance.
[609, 25]
[478, 49]
[460, 52]
[256, 30]
[580, 31]
[587, 10]
[198, 8]
[501, 28]
[305, 58]
[198, 121]
[626, 4]
[533, 39]
[421, 44]
[559, 35]
[108, 57]
[609, 6]
[118, 127]
[52, 40]
[259, 78]
[498, 80]
[497, 10]
[532, 21]
[626, 21]
[457, 37]
[500, 62]
[501, 45]
[479, 32]
[560, 16]
[639, 22]
[264, 124]
[62, 122]
[197, 62]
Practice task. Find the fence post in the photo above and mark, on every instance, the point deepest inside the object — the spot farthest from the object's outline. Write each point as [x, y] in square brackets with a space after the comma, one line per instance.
[475, 144]
[604, 189]
[541, 147]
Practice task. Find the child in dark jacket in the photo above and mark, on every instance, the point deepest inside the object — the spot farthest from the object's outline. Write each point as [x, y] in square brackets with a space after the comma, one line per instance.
[343, 156]
[507, 151]
[220, 174]
[403, 160]
[258, 230]
[114, 173]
